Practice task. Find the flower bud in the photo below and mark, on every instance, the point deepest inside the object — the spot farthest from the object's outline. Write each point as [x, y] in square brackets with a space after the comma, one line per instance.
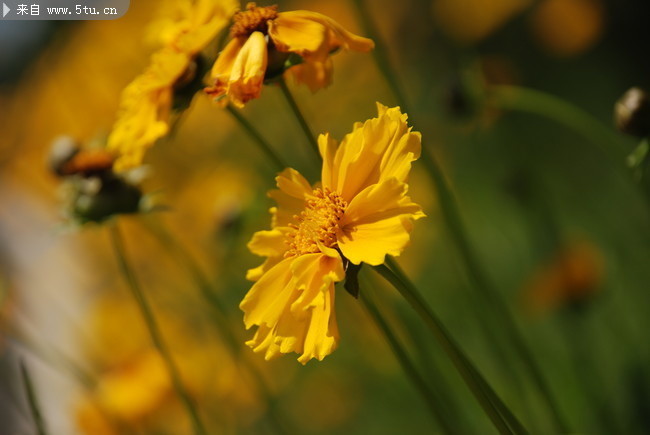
[632, 113]
[98, 199]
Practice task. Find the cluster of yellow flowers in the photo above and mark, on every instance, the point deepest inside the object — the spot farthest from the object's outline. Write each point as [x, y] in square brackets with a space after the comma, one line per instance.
[146, 103]
[358, 213]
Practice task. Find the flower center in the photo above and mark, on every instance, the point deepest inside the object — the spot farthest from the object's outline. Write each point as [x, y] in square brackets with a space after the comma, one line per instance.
[253, 19]
[317, 224]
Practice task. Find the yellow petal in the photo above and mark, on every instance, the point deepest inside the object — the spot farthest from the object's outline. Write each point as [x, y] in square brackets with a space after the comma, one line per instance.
[380, 201]
[295, 313]
[207, 18]
[293, 183]
[269, 243]
[294, 32]
[314, 37]
[310, 33]
[379, 149]
[327, 147]
[264, 341]
[322, 336]
[315, 74]
[259, 271]
[225, 61]
[290, 197]
[370, 243]
[377, 222]
[269, 296]
[312, 275]
[145, 106]
[247, 74]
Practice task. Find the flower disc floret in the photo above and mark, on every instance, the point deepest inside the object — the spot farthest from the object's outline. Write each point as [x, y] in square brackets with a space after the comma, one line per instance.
[317, 225]
[253, 19]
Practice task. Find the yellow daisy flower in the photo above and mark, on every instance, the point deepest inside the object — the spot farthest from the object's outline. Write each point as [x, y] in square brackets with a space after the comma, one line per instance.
[359, 213]
[262, 37]
[146, 103]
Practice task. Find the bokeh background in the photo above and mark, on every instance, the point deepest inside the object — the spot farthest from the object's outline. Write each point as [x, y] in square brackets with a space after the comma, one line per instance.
[559, 226]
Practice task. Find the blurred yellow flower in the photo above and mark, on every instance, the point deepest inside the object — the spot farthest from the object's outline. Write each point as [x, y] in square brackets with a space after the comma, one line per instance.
[358, 213]
[260, 37]
[469, 21]
[568, 27]
[133, 388]
[146, 103]
[573, 275]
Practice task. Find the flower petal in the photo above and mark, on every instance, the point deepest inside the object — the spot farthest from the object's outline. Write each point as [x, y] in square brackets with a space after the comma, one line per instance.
[293, 304]
[377, 223]
[267, 299]
[247, 74]
[327, 147]
[290, 197]
[225, 61]
[269, 243]
[379, 149]
[145, 107]
[257, 272]
[380, 201]
[294, 32]
[315, 74]
[313, 34]
[314, 274]
[370, 243]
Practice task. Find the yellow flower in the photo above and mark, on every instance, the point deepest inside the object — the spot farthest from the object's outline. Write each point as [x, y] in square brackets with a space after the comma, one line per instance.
[133, 387]
[146, 103]
[260, 36]
[358, 213]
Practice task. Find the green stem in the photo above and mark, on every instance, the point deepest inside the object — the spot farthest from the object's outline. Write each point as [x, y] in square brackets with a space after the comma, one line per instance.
[503, 409]
[452, 218]
[558, 110]
[311, 138]
[34, 408]
[221, 319]
[264, 146]
[464, 367]
[432, 401]
[154, 330]
[433, 371]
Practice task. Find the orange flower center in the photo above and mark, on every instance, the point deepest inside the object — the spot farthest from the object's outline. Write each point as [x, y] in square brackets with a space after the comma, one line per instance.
[253, 19]
[317, 224]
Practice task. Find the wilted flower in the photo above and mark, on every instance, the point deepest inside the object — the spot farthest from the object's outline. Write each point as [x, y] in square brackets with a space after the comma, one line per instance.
[632, 113]
[146, 103]
[359, 213]
[93, 192]
[263, 38]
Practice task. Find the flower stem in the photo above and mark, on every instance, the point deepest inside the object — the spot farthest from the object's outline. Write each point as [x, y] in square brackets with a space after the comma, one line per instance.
[556, 109]
[154, 330]
[420, 384]
[264, 146]
[485, 396]
[451, 215]
[34, 407]
[205, 288]
[311, 138]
